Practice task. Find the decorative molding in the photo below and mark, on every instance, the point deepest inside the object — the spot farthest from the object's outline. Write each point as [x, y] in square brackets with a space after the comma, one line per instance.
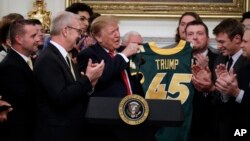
[152, 8]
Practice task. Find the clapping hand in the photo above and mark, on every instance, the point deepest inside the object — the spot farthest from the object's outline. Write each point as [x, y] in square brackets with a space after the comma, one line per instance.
[226, 83]
[202, 78]
[94, 71]
[4, 113]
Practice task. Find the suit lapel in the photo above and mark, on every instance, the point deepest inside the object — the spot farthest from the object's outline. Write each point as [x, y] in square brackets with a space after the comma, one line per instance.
[61, 58]
[239, 63]
[103, 54]
[58, 54]
[20, 62]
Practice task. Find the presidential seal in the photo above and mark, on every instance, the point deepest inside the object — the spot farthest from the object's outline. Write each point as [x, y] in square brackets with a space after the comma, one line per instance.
[133, 109]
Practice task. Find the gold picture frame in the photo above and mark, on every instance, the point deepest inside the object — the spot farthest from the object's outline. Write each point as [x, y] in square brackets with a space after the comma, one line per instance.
[168, 8]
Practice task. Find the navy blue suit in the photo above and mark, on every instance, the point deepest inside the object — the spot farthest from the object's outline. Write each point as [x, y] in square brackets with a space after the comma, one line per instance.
[110, 83]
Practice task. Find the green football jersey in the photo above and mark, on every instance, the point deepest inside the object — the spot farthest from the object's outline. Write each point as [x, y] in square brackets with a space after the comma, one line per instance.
[167, 75]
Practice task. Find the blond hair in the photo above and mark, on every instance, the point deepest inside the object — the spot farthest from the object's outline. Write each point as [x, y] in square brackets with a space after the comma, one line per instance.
[100, 22]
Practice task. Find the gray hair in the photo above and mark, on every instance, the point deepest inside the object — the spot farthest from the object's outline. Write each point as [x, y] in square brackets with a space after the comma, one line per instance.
[128, 34]
[61, 20]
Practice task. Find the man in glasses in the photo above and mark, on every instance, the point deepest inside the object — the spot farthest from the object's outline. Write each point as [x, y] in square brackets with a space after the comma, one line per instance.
[85, 12]
[64, 96]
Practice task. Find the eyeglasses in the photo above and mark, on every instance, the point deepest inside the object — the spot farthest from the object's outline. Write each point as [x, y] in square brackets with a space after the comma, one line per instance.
[77, 30]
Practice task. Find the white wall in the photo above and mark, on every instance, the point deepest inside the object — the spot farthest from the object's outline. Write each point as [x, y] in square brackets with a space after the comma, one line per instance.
[148, 27]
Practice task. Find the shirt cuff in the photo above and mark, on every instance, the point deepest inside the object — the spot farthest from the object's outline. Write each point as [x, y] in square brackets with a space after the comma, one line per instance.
[124, 57]
[91, 92]
[225, 98]
[240, 96]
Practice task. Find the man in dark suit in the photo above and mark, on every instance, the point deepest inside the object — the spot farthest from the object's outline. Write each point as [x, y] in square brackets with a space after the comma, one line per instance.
[197, 34]
[229, 37]
[238, 86]
[64, 96]
[229, 33]
[17, 83]
[106, 32]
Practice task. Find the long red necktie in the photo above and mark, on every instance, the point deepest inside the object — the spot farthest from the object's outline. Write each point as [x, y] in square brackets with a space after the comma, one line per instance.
[124, 75]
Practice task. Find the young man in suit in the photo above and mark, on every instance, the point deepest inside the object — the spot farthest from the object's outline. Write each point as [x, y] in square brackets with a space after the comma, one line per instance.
[238, 87]
[229, 35]
[17, 83]
[65, 92]
[197, 34]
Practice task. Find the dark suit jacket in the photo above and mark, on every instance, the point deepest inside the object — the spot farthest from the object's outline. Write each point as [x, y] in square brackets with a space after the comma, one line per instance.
[241, 110]
[19, 89]
[63, 100]
[239, 64]
[2, 48]
[110, 84]
[244, 83]
[203, 110]
[226, 113]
